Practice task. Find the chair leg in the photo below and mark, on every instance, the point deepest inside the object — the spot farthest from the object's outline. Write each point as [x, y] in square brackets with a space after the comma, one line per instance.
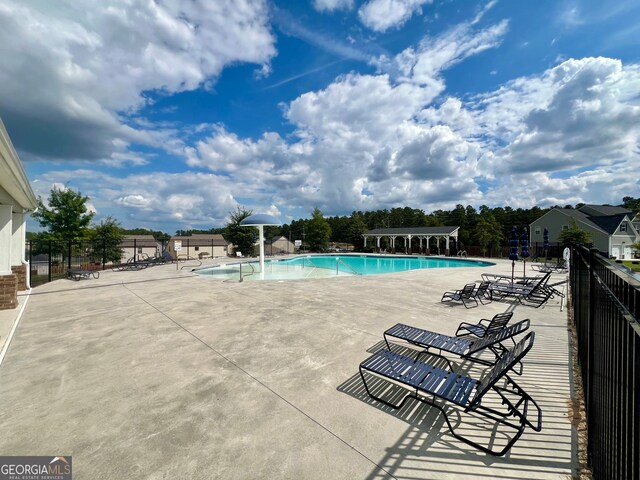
[388, 404]
[465, 303]
[489, 300]
[484, 411]
[426, 351]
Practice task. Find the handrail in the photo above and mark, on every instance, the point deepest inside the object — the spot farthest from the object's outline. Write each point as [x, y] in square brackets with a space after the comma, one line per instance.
[253, 270]
[188, 259]
[346, 265]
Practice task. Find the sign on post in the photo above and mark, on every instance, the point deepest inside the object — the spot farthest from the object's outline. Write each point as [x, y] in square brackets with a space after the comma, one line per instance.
[177, 245]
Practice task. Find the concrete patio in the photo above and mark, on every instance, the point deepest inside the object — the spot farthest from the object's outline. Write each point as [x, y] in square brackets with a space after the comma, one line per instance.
[161, 373]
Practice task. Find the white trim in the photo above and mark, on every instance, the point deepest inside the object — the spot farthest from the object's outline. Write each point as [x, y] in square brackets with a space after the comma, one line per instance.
[13, 179]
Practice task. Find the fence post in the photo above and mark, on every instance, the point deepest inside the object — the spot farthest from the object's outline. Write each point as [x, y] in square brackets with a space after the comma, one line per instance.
[591, 324]
[69, 255]
[30, 261]
[50, 255]
[104, 252]
[135, 251]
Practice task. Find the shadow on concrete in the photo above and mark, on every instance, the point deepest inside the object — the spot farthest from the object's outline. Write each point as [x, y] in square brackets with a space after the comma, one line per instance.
[428, 450]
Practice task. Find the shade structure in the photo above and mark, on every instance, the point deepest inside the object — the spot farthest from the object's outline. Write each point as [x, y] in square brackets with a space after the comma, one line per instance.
[524, 244]
[524, 249]
[545, 240]
[513, 243]
[260, 220]
[513, 251]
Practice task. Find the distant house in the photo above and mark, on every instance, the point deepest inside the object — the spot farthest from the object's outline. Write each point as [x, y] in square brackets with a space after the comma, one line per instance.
[277, 246]
[612, 229]
[199, 246]
[141, 246]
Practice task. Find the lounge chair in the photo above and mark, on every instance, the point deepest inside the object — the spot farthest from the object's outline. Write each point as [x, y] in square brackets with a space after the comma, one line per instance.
[167, 257]
[466, 294]
[498, 278]
[485, 327]
[554, 267]
[439, 387]
[520, 291]
[78, 274]
[462, 346]
[542, 294]
[482, 293]
[130, 264]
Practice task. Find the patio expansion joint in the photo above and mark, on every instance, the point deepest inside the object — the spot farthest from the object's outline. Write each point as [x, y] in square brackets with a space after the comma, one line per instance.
[261, 383]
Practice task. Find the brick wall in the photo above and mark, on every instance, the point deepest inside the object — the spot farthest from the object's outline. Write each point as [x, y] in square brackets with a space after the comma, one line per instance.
[20, 271]
[8, 291]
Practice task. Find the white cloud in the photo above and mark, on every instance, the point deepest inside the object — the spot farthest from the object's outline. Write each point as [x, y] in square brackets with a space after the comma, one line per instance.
[424, 64]
[85, 67]
[578, 114]
[356, 104]
[332, 5]
[365, 141]
[380, 15]
[151, 200]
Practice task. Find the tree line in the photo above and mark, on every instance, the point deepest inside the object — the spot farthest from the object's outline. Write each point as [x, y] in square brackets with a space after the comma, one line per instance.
[65, 217]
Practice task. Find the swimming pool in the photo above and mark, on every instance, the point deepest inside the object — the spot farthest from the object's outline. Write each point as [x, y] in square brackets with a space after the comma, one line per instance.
[323, 266]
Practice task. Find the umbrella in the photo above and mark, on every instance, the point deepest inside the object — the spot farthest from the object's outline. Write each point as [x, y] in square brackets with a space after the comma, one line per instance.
[545, 245]
[513, 252]
[524, 250]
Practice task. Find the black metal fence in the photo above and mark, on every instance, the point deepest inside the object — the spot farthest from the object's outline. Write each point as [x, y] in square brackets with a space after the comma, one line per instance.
[606, 307]
[50, 259]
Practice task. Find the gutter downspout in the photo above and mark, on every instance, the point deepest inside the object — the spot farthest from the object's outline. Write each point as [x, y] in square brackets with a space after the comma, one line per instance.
[24, 260]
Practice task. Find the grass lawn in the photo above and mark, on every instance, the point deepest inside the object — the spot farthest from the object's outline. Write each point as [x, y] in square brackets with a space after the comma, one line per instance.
[632, 264]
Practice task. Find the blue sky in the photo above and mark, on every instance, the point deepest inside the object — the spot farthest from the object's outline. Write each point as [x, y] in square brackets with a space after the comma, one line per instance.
[170, 114]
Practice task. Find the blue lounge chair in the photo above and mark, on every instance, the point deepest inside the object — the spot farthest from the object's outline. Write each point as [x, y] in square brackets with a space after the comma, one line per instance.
[485, 326]
[77, 274]
[463, 346]
[533, 292]
[439, 387]
[464, 295]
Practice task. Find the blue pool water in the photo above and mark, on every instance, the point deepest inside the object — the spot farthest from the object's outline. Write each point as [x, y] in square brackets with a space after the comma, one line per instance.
[374, 264]
[322, 266]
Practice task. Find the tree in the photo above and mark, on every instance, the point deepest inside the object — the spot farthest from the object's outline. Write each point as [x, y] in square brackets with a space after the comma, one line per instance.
[631, 203]
[488, 232]
[65, 217]
[356, 229]
[108, 237]
[574, 235]
[243, 238]
[318, 231]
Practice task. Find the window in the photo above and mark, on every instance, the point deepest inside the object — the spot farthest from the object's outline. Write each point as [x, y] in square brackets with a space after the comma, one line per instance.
[565, 228]
[537, 231]
[197, 248]
[139, 249]
[623, 227]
